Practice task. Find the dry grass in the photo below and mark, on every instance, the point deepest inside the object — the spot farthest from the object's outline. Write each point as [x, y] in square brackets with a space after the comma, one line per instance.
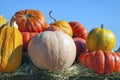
[28, 71]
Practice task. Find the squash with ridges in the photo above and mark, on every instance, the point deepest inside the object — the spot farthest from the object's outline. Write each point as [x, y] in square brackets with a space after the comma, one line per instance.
[2, 20]
[52, 50]
[101, 61]
[10, 49]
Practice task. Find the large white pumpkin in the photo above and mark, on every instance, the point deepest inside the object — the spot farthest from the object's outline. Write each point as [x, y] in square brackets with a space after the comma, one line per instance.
[52, 50]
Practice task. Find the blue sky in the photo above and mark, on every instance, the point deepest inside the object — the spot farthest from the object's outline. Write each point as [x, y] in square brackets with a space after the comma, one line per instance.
[91, 13]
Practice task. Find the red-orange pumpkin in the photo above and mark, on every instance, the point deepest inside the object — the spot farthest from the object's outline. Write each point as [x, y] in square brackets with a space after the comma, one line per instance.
[78, 29]
[30, 20]
[26, 38]
[101, 61]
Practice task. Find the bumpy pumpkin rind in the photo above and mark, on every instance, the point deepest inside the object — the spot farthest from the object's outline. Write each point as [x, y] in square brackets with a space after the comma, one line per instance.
[10, 49]
[101, 61]
[100, 39]
[2, 21]
[30, 20]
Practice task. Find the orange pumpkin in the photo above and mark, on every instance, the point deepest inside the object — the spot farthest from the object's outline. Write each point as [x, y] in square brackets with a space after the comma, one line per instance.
[79, 30]
[62, 24]
[30, 20]
[101, 61]
[26, 38]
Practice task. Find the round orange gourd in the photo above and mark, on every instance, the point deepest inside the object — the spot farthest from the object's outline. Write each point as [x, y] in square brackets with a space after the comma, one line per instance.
[26, 38]
[101, 61]
[30, 20]
[63, 25]
[52, 50]
[79, 30]
[100, 39]
[10, 49]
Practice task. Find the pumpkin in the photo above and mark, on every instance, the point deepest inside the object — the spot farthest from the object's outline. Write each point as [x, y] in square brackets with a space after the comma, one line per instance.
[52, 50]
[2, 21]
[30, 20]
[27, 36]
[100, 39]
[10, 49]
[62, 24]
[101, 61]
[80, 46]
[53, 28]
[79, 30]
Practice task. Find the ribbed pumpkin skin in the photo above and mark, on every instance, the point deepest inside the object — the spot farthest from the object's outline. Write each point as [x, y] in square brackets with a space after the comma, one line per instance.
[26, 38]
[100, 39]
[10, 49]
[101, 61]
[79, 30]
[30, 20]
[52, 50]
[2, 20]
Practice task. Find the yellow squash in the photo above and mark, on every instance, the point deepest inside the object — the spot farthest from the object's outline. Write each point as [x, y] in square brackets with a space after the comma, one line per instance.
[100, 39]
[10, 49]
[2, 21]
[64, 26]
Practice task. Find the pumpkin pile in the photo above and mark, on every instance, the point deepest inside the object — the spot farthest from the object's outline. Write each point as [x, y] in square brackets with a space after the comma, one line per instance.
[55, 46]
[30, 23]
[100, 56]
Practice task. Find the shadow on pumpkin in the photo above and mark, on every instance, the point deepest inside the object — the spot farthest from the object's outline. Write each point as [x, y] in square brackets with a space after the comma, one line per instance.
[14, 60]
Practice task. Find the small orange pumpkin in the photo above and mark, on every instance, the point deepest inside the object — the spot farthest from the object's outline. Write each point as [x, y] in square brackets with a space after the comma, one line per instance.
[62, 24]
[30, 20]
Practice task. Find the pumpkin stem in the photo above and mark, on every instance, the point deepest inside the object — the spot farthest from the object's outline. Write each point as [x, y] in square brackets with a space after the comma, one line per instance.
[52, 16]
[102, 26]
[12, 22]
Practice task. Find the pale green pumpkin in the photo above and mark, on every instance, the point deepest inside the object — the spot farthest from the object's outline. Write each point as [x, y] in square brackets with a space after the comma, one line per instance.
[52, 50]
[100, 39]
